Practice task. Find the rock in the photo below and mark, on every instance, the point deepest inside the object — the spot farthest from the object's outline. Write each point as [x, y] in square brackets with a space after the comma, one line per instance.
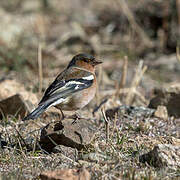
[14, 105]
[168, 97]
[161, 112]
[163, 155]
[76, 135]
[65, 174]
[130, 110]
[94, 157]
[15, 99]
[66, 151]
[12, 87]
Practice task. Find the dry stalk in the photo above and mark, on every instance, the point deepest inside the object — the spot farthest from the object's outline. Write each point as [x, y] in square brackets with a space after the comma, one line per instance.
[123, 77]
[178, 13]
[135, 82]
[128, 13]
[178, 53]
[142, 98]
[40, 67]
[34, 145]
[114, 124]
[22, 139]
[165, 23]
[106, 124]
[20, 146]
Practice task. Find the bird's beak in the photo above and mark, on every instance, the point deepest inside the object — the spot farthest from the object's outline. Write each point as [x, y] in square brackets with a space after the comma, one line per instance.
[97, 62]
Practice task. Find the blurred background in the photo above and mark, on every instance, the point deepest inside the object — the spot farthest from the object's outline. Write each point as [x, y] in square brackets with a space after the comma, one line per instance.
[139, 44]
[58, 29]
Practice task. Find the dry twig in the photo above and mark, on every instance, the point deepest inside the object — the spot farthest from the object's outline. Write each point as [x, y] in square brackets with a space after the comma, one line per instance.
[123, 77]
[178, 13]
[128, 13]
[138, 76]
[178, 53]
[106, 124]
[40, 67]
[114, 124]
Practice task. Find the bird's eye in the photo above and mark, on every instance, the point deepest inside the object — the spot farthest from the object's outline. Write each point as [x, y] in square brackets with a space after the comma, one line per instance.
[87, 60]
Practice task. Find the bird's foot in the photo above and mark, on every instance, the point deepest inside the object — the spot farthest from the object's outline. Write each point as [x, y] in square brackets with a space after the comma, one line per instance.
[75, 117]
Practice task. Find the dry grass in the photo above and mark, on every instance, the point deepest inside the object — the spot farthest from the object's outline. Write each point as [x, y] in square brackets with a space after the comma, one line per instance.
[113, 154]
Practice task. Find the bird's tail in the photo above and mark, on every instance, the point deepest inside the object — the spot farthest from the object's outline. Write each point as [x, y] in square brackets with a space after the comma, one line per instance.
[37, 112]
[49, 102]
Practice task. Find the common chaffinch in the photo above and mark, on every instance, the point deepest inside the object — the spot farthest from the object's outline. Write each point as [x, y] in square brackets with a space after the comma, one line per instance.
[72, 89]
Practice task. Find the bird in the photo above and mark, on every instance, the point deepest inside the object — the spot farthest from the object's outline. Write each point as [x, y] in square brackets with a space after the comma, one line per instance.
[72, 89]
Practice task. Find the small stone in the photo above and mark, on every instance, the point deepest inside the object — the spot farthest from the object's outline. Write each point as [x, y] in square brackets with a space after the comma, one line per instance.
[10, 88]
[163, 155]
[66, 151]
[85, 163]
[168, 97]
[14, 105]
[161, 112]
[76, 135]
[94, 157]
[65, 174]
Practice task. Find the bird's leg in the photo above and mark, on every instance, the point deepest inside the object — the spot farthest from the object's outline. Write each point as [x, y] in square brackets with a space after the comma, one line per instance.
[62, 114]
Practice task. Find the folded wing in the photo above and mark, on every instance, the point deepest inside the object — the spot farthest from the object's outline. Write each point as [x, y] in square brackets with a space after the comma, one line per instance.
[61, 88]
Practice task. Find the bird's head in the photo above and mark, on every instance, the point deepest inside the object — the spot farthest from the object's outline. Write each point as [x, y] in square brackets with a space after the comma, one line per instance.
[84, 61]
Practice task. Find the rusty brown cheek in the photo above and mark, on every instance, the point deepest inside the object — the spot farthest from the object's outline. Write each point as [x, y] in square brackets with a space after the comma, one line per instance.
[85, 65]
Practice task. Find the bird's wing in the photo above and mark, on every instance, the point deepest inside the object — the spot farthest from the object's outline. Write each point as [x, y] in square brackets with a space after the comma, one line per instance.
[67, 83]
